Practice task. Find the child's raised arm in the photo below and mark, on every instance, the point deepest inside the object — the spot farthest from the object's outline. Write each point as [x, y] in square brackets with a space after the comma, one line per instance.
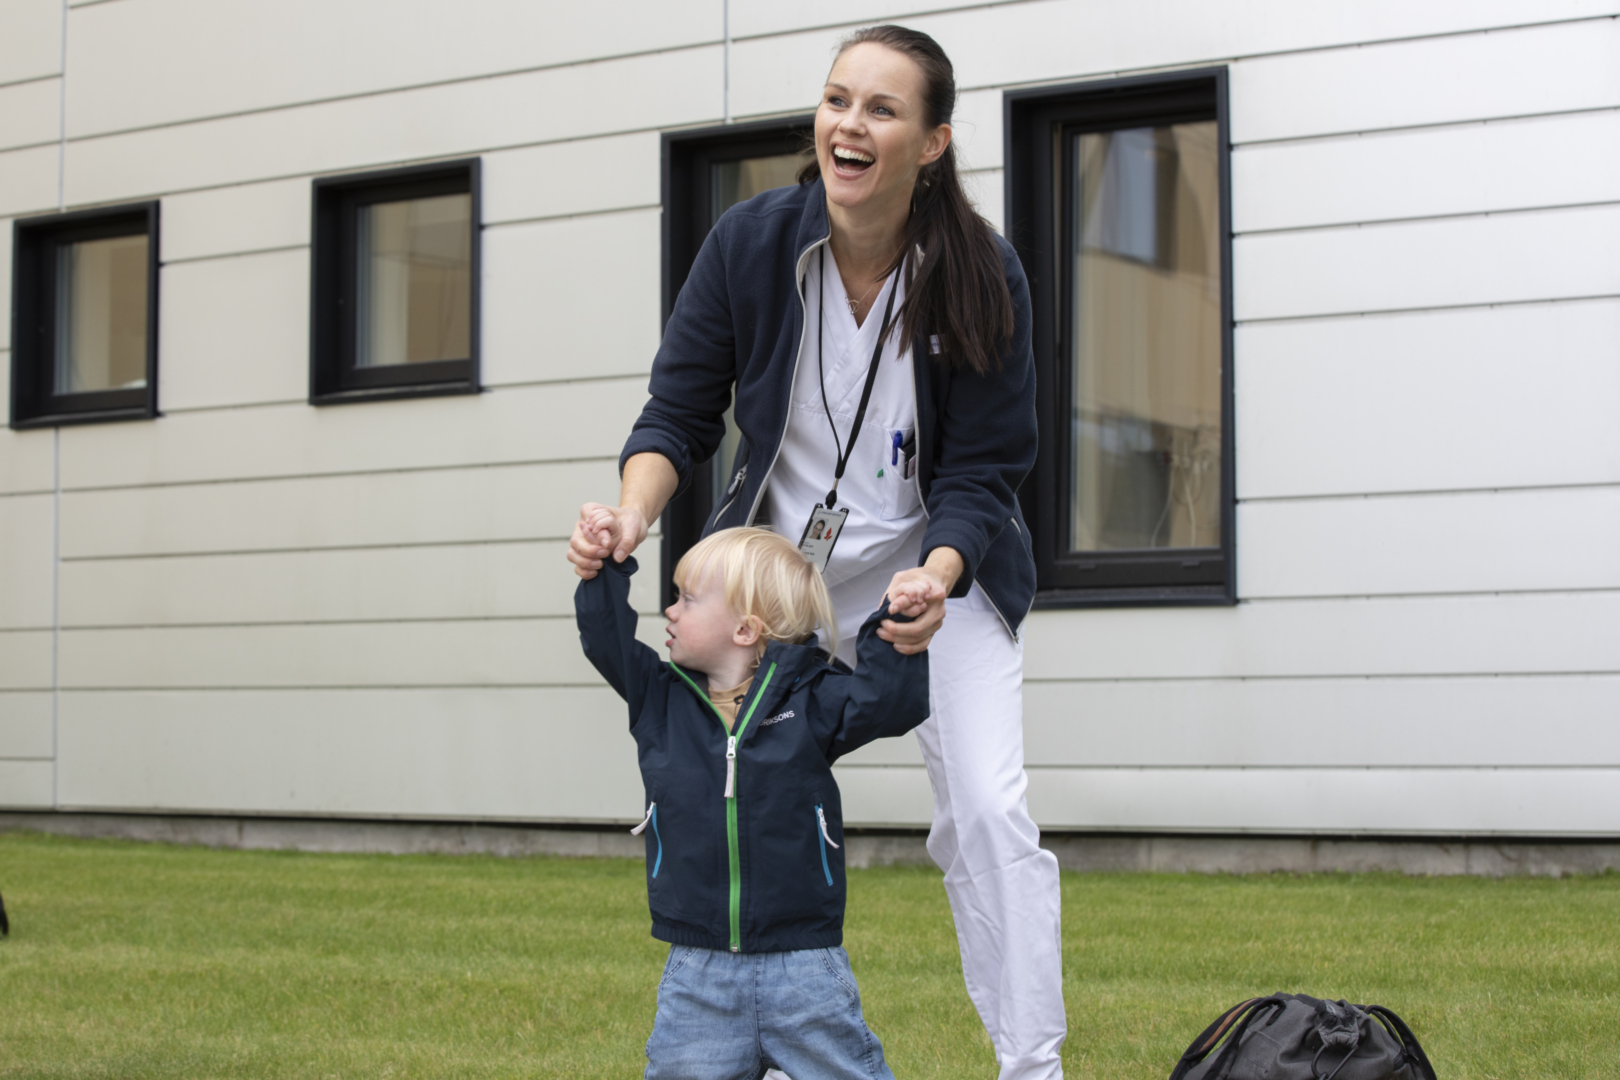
[607, 630]
[886, 696]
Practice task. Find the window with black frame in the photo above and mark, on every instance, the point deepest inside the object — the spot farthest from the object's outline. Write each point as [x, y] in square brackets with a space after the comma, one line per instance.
[84, 332]
[394, 306]
[1118, 205]
[706, 173]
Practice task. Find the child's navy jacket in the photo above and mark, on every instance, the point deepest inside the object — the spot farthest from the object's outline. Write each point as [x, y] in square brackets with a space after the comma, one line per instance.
[757, 871]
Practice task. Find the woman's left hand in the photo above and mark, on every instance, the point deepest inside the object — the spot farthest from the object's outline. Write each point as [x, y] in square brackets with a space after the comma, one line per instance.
[920, 592]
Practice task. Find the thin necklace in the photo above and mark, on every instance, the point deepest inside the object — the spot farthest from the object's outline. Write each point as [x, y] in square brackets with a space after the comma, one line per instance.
[854, 304]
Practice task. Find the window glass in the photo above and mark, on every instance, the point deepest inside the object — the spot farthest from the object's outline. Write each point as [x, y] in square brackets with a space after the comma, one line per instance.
[1145, 338]
[415, 281]
[735, 182]
[101, 315]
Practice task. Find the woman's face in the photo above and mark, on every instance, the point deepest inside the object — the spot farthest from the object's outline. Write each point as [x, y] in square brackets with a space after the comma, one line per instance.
[871, 134]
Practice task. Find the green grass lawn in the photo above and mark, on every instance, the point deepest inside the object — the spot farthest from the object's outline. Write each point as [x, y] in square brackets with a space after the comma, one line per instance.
[133, 960]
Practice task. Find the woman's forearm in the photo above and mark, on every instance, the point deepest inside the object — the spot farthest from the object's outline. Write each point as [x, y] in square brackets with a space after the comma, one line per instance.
[947, 564]
[648, 484]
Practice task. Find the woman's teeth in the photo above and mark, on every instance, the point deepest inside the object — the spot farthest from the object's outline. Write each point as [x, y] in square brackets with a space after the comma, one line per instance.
[854, 158]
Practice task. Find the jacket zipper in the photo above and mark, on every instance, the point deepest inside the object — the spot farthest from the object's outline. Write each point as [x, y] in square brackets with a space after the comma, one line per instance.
[735, 860]
[825, 838]
[787, 414]
[652, 819]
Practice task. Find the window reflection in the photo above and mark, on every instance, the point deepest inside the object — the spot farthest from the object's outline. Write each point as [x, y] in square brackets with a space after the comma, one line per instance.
[101, 315]
[1145, 334]
[415, 281]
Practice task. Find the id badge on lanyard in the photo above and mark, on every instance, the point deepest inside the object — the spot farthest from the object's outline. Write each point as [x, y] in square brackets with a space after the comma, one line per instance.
[827, 520]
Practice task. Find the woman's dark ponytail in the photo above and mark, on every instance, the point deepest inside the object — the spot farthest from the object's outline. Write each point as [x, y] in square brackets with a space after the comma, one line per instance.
[957, 291]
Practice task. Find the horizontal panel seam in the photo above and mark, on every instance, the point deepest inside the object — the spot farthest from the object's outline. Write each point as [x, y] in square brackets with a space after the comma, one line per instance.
[1063, 680]
[409, 545]
[1461, 215]
[334, 686]
[487, 387]
[1434, 125]
[1576, 590]
[403, 620]
[607, 212]
[1477, 305]
[1594, 485]
[3, 760]
[30, 79]
[335, 99]
[27, 146]
[515, 463]
[182, 260]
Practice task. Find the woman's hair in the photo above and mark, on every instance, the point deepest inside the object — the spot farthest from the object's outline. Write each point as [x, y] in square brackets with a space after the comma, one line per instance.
[959, 290]
[767, 577]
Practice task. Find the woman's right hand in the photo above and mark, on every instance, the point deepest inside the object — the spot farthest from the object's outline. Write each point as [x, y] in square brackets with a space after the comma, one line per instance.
[602, 531]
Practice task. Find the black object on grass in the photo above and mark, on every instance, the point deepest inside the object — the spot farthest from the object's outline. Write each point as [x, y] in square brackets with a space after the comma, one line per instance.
[5, 924]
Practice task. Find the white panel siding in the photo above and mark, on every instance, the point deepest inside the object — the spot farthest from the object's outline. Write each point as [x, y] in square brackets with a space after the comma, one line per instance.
[885, 796]
[234, 331]
[27, 458]
[30, 185]
[637, 93]
[519, 502]
[25, 659]
[162, 61]
[976, 129]
[1505, 165]
[1428, 401]
[32, 43]
[1560, 802]
[529, 424]
[434, 582]
[25, 725]
[30, 113]
[25, 785]
[27, 525]
[585, 176]
[570, 298]
[488, 652]
[1452, 543]
[1535, 255]
[1483, 635]
[560, 754]
[985, 189]
[1471, 721]
[228, 221]
[1553, 69]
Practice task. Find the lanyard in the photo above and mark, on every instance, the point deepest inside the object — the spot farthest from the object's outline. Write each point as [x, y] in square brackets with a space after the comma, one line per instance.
[871, 374]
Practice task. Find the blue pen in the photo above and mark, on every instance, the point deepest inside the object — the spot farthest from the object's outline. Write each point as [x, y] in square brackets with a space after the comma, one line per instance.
[894, 455]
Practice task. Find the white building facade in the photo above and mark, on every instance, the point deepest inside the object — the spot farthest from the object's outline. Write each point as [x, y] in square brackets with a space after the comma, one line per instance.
[238, 590]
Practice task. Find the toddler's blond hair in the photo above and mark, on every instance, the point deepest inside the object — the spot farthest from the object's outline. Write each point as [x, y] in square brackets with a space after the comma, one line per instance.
[768, 578]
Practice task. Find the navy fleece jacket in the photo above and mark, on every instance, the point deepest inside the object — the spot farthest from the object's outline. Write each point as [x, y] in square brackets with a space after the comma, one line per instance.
[739, 321]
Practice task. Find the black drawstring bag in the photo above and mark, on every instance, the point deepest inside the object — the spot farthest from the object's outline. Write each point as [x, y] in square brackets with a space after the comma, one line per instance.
[1294, 1037]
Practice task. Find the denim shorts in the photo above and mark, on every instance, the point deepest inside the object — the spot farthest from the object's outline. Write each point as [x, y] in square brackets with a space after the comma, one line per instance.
[731, 1016]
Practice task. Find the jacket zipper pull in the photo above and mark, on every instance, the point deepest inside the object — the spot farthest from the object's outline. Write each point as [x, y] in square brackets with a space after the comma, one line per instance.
[821, 819]
[639, 829]
[731, 766]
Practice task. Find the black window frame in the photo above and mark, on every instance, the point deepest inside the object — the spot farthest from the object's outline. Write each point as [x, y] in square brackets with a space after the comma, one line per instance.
[334, 286]
[1037, 122]
[36, 242]
[686, 164]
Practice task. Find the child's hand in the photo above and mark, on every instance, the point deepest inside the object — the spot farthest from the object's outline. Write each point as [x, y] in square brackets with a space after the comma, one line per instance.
[910, 598]
[604, 532]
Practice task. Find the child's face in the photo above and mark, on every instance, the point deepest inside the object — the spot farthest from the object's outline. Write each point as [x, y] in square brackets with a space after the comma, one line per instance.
[702, 630]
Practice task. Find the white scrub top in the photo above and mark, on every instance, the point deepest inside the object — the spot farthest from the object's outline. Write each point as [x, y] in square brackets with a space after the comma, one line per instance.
[886, 518]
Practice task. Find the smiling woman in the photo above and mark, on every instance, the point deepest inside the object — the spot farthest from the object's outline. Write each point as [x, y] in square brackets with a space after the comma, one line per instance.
[889, 449]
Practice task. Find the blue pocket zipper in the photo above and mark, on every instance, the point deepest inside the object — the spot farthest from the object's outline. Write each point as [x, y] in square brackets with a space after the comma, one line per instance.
[823, 839]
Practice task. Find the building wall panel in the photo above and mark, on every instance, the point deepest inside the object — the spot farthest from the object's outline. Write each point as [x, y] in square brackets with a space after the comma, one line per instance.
[1516, 396]
[27, 458]
[25, 725]
[1538, 255]
[1430, 635]
[585, 176]
[571, 298]
[164, 61]
[29, 188]
[452, 581]
[1446, 802]
[1325, 723]
[1471, 168]
[25, 660]
[885, 796]
[27, 541]
[25, 785]
[1558, 68]
[30, 113]
[237, 219]
[567, 422]
[31, 47]
[234, 331]
[1452, 543]
[411, 125]
[475, 653]
[558, 754]
[441, 506]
